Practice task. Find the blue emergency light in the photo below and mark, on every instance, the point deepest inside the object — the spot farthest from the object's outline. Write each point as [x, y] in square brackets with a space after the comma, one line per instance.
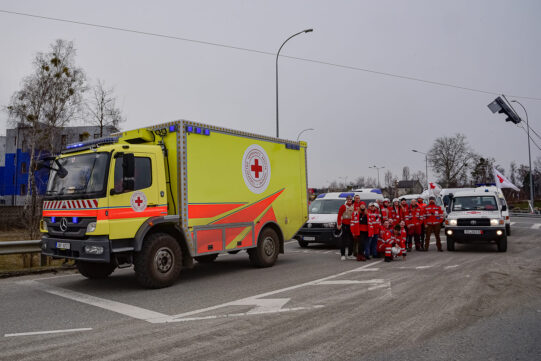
[206, 132]
[189, 128]
[53, 219]
[88, 143]
[346, 194]
[172, 128]
[198, 130]
[75, 220]
[322, 195]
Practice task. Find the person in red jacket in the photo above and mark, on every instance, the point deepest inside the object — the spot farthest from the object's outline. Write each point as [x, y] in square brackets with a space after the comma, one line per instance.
[374, 225]
[359, 228]
[433, 219]
[405, 217]
[385, 211]
[415, 220]
[395, 212]
[384, 236]
[343, 222]
[420, 203]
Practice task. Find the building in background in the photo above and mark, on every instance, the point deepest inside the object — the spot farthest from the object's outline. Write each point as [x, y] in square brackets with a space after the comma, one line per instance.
[15, 150]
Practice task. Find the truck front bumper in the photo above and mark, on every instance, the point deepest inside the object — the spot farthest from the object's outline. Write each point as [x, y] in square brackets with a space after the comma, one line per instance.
[477, 234]
[316, 235]
[75, 248]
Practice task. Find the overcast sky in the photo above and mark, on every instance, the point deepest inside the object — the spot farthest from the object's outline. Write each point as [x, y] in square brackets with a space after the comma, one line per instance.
[360, 118]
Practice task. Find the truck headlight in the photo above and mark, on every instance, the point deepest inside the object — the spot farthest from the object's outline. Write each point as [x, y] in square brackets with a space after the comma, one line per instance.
[329, 225]
[494, 222]
[44, 226]
[453, 222]
[94, 249]
[91, 227]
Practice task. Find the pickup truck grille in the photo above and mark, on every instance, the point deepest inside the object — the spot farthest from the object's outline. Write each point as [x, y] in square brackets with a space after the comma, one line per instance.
[474, 222]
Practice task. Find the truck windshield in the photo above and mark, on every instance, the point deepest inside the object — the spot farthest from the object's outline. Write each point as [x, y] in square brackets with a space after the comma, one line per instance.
[479, 203]
[86, 176]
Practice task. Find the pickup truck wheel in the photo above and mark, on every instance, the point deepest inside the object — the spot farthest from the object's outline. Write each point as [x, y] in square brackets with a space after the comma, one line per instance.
[95, 270]
[207, 258]
[303, 244]
[266, 252]
[450, 244]
[159, 262]
[502, 244]
[508, 229]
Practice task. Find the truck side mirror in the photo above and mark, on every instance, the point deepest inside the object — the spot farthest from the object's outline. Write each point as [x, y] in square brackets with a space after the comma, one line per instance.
[128, 172]
[504, 208]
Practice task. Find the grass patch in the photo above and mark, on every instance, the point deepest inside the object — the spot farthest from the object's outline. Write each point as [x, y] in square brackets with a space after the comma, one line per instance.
[524, 205]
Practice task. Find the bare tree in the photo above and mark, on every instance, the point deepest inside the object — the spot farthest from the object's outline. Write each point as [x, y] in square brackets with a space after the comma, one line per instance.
[513, 173]
[48, 99]
[482, 170]
[371, 182]
[388, 179]
[419, 176]
[101, 108]
[406, 173]
[450, 158]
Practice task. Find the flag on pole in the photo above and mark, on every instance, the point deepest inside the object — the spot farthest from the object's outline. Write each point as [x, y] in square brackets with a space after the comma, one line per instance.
[502, 182]
[434, 189]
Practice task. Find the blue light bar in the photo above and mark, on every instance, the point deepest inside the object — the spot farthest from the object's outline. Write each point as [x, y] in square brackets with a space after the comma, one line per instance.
[293, 146]
[99, 141]
[189, 128]
[207, 132]
[75, 220]
[321, 195]
[53, 219]
[172, 128]
[375, 190]
[346, 194]
[198, 130]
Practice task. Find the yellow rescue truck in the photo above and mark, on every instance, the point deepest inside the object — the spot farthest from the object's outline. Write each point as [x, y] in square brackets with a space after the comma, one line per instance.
[159, 197]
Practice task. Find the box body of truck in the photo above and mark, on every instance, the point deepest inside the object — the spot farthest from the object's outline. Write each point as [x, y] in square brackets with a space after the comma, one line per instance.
[212, 190]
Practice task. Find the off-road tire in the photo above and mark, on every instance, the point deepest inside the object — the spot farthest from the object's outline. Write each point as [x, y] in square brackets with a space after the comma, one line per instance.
[502, 244]
[95, 270]
[206, 258]
[159, 262]
[266, 252]
[450, 244]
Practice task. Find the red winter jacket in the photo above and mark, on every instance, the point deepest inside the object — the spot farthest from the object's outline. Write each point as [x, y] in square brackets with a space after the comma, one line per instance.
[416, 216]
[374, 223]
[433, 214]
[342, 213]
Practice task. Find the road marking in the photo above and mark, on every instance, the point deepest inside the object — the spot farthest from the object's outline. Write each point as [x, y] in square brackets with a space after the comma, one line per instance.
[213, 317]
[536, 226]
[422, 267]
[449, 267]
[118, 307]
[512, 223]
[368, 270]
[351, 282]
[45, 332]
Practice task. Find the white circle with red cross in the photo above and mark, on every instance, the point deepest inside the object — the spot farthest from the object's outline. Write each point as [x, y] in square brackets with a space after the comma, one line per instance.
[256, 169]
[138, 201]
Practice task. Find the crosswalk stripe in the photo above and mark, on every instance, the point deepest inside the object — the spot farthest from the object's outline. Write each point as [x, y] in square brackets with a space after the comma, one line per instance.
[536, 226]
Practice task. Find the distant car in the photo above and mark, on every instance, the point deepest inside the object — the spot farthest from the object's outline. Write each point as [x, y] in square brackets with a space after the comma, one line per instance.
[322, 214]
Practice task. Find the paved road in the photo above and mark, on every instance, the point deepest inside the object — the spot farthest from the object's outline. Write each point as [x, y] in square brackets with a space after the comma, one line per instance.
[471, 304]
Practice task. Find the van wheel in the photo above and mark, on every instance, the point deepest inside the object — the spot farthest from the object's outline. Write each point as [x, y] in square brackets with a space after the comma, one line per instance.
[502, 244]
[303, 244]
[95, 270]
[207, 258]
[266, 252]
[450, 244]
[159, 262]
[508, 229]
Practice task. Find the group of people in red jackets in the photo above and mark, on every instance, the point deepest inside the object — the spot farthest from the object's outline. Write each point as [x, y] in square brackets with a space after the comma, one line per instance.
[385, 230]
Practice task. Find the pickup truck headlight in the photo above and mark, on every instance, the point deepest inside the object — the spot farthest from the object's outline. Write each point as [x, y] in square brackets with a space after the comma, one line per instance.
[495, 222]
[91, 227]
[329, 225]
[453, 222]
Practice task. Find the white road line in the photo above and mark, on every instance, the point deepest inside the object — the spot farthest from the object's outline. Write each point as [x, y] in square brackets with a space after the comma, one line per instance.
[45, 332]
[351, 282]
[118, 307]
[449, 267]
[512, 223]
[212, 317]
[536, 226]
[368, 270]
[422, 267]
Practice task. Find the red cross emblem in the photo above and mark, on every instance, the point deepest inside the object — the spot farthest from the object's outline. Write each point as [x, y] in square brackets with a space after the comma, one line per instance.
[138, 201]
[256, 168]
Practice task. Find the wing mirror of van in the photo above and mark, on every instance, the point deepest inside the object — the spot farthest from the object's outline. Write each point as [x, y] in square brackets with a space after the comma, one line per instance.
[504, 208]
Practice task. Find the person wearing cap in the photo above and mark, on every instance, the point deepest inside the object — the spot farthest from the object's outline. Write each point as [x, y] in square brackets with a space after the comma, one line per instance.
[433, 219]
[343, 222]
[374, 225]
[422, 205]
[360, 230]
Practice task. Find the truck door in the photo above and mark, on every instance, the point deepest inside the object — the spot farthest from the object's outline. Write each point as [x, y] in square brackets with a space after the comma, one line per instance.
[129, 209]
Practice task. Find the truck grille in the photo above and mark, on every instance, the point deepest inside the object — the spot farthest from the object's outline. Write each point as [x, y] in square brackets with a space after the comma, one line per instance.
[474, 222]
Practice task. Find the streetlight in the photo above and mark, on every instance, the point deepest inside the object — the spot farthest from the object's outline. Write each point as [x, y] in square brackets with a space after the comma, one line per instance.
[529, 154]
[378, 168]
[277, 54]
[426, 166]
[302, 131]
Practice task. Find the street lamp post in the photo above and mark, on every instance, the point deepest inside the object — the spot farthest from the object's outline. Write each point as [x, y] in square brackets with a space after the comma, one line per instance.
[277, 54]
[377, 168]
[302, 131]
[529, 154]
[426, 166]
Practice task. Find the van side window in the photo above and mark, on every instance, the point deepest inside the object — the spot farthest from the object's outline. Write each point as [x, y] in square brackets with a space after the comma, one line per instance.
[142, 176]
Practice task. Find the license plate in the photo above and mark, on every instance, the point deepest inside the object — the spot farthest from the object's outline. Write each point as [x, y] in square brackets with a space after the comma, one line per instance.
[63, 245]
[309, 238]
[473, 231]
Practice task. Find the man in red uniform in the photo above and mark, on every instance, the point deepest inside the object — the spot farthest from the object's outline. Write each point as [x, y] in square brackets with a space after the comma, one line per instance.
[416, 219]
[385, 211]
[420, 203]
[374, 225]
[433, 219]
[343, 222]
[359, 228]
[395, 212]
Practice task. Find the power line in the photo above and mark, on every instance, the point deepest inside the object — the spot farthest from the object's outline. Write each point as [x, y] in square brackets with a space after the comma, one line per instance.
[349, 67]
[525, 131]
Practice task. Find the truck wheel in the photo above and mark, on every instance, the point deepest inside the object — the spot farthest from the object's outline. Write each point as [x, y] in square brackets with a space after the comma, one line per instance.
[502, 244]
[450, 244]
[95, 270]
[303, 244]
[159, 262]
[207, 258]
[266, 252]
[508, 229]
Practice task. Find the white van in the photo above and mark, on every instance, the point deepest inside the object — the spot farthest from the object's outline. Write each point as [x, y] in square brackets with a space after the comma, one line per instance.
[322, 214]
[505, 212]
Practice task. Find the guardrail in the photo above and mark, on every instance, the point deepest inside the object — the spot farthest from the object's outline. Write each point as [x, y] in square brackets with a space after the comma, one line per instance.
[22, 247]
[524, 214]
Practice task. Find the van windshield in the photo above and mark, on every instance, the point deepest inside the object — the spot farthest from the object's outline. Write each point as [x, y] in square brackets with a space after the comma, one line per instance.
[479, 203]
